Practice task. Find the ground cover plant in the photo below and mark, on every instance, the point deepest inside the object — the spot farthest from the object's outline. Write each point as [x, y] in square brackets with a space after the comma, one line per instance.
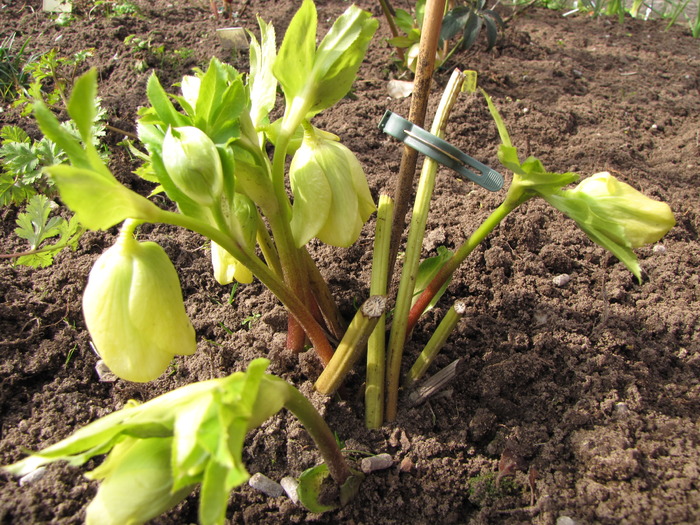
[435, 440]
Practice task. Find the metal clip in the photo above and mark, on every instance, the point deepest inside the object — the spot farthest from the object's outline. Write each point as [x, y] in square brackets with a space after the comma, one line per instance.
[440, 151]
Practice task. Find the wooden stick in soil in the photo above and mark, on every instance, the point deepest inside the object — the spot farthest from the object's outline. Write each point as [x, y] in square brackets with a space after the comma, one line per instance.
[354, 342]
[430, 33]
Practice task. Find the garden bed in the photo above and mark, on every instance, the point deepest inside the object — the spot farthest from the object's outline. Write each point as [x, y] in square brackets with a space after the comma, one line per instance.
[593, 385]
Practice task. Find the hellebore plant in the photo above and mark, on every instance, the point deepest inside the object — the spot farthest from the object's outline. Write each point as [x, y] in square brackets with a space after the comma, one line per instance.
[610, 212]
[207, 149]
[158, 452]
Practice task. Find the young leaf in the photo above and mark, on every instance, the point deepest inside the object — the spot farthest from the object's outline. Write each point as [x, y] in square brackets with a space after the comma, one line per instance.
[165, 110]
[262, 83]
[296, 54]
[339, 56]
[100, 202]
[34, 224]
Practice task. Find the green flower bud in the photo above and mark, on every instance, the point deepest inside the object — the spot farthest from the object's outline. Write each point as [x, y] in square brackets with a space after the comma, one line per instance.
[643, 220]
[331, 196]
[136, 485]
[615, 215]
[193, 164]
[134, 310]
[227, 268]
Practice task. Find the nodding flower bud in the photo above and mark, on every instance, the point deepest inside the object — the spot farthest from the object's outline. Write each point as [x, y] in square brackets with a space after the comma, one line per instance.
[331, 196]
[193, 164]
[137, 483]
[641, 220]
[615, 215]
[134, 310]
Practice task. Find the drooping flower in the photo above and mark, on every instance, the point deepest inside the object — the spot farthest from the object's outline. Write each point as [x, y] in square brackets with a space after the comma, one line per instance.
[331, 196]
[134, 310]
[227, 268]
[137, 483]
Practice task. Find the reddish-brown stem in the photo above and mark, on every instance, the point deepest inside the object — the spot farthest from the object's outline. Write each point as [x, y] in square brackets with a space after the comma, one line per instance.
[424, 299]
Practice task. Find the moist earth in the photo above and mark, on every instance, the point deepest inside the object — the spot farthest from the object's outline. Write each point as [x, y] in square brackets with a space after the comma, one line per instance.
[576, 400]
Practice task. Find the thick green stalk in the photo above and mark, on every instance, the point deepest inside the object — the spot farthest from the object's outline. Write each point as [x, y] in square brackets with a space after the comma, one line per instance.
[321, 434]
[436, 342]
[268, 277]
[414, 244]
[376, 346]
[351, 346]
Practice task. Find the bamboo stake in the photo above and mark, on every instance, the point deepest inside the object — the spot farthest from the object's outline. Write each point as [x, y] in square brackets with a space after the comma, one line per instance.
[430, 33]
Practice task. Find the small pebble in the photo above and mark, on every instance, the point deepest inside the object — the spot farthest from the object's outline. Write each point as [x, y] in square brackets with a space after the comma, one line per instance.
[265, 485]
[561, 280]
[290, 486]
[565, 520]
[621, 410]
[378, 462]
[104, 373]
[659, 248]
[34, 475]
[406, 465]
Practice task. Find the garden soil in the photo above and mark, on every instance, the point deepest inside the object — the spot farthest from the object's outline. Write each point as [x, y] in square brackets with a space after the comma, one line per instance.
[576, 402]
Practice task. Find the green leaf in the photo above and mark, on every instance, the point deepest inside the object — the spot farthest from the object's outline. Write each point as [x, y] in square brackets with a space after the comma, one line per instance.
[213, 496]
[471, 30]
[162, 105]
[262, 83]
[14, 134]
[502, 130]
[309, 490]
[340, 55]
[454, 22]
[19, 157]
[34, 224]
[427, 270]
[81, 106]
[100, 202]
[295, 58]
[60, 135]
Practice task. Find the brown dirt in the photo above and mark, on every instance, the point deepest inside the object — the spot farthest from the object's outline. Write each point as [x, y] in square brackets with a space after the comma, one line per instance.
[593, 384]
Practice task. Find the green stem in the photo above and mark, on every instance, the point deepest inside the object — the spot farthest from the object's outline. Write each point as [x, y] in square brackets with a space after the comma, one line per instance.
[291, 301]
[413, 250]
[389, 14]
[321, 434]
[376, 346]
[351, 346]
[436, 342]
[458, 257]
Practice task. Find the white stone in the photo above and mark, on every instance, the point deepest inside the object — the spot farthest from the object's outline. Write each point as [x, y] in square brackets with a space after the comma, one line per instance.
[561, 280]
[378, 462]
[34, 475]
[266, 485]
[290, 486]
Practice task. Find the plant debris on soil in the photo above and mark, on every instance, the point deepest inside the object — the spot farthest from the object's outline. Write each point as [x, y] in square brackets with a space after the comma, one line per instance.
[576, 398]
